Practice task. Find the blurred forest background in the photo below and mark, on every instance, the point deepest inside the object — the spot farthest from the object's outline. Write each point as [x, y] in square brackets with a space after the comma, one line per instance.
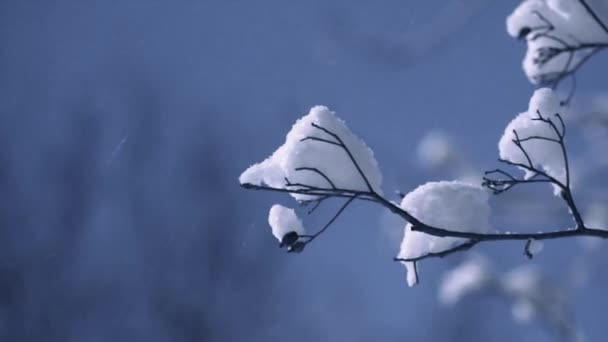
[124, 126]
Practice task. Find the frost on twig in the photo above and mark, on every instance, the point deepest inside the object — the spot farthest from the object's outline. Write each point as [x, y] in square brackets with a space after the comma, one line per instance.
[320, 156]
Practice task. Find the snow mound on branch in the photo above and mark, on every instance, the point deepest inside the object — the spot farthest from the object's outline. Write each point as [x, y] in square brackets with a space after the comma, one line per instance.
[473, 275]
[452, 205]
[545, 155]
[566, 22]
[283, 220]
[301, 150]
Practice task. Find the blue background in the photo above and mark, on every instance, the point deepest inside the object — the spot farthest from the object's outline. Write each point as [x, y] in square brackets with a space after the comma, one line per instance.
[153, 240]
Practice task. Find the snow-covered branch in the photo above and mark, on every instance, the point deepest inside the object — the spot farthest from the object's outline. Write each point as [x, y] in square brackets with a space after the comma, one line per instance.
[545, 140]
[322, 159]
[562, 35]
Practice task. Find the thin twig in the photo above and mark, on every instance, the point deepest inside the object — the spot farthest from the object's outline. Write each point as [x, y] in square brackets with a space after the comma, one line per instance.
[319, 172]
[316, 202]
[517, 143]
[344, 206]
[321, 140]
[594, 15]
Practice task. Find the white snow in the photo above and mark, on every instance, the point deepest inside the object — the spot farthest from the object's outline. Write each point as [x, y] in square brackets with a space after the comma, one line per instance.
[412, 273]
[571, 26]
[473, 275]
[453, 205]
[545, 155]
[283, 220]
[328, 158]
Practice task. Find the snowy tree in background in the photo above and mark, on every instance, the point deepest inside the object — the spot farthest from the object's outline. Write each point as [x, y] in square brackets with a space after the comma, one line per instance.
[322, 159]
[533, 295]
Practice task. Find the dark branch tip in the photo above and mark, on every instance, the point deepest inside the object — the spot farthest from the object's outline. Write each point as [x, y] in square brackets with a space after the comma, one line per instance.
[247, 185]
[527, 251]
[289, 239]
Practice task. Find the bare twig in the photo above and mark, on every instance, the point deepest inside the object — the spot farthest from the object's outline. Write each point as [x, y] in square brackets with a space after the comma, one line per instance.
[594, 15]
[314, 236]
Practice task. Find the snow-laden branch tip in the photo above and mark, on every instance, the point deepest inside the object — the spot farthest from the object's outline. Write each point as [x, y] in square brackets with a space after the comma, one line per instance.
[286, 227]
[462, 207]
[313, 157]
[535, 142]
[527, 140]
[320, 159]
[561, 36]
